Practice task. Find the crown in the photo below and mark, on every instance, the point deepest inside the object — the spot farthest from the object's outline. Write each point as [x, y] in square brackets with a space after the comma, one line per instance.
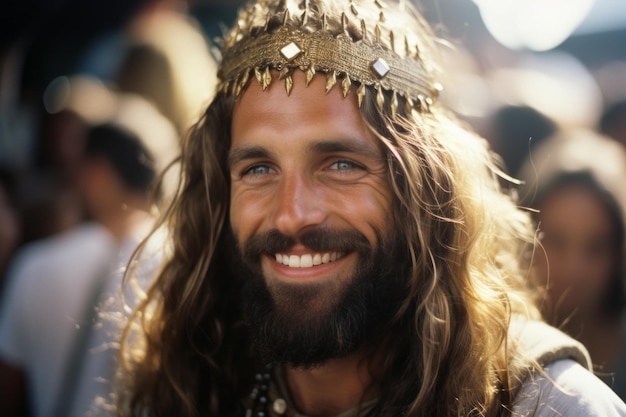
[351, 55]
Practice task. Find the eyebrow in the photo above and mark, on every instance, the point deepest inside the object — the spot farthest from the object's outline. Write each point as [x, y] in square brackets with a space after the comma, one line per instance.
[247, 152]
[349, 145]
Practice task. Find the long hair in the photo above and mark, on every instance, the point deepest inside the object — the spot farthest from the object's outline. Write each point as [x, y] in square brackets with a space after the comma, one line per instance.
[446, 353]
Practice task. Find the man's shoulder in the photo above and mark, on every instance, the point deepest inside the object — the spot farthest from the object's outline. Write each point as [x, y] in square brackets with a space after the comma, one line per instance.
[545, 344]
[565, 385]
[566, 389]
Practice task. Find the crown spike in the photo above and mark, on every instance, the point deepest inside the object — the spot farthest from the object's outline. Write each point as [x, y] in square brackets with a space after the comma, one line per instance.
[429, 102]
[234, 86]
[267, 23]
[438, 90]
[408, 105]
[310, 72]
[324, 22]
[381, 17]
[363, 29]
[304, 18]
[244, 81]
[286, 17]
[267, 78]
[394, 104]
[345, 86]
[380, 4]
[344, 23]
[392, 41]
[258, 75]
[245, 77]
[284, 72]
[421, 102]
[407, 47]
[360, 93]
[353, 9]
[331, 80]
[288, 84]
[377, 33]
[380, 98]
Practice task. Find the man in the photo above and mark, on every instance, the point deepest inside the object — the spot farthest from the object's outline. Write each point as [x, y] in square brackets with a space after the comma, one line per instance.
[56, 352]
[340, 246]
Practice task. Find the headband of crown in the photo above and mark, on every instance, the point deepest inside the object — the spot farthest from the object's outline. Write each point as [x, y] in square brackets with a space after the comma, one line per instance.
[365, 62]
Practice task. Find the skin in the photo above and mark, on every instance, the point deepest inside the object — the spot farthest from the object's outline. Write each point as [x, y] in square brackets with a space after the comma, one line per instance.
[299, 163]
[109, 201]
[578, 239]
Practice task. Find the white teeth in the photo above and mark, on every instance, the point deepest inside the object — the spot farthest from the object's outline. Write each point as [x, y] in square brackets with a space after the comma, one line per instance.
[307, 260]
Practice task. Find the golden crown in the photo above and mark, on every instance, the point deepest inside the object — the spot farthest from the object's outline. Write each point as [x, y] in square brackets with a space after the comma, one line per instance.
[346, 54]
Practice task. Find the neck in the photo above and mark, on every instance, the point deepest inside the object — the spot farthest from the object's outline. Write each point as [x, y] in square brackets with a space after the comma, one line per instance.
[336, 386]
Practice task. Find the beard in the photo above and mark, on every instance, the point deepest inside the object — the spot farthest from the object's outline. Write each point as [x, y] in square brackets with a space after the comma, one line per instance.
[307, 324]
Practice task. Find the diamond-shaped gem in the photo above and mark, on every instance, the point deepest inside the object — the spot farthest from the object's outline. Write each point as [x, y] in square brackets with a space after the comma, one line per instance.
[290, 51]
[380, 68]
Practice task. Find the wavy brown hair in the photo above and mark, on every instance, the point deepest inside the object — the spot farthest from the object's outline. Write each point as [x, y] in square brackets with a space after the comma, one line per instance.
[186, 350]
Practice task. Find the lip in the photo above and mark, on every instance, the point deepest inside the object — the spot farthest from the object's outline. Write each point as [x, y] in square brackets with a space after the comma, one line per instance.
[316, 272]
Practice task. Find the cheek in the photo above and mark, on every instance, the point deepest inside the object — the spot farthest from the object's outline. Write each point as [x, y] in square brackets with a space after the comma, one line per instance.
[245, 214]
[370, 211]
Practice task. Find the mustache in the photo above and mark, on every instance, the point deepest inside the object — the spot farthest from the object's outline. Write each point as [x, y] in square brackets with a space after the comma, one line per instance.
[317, 240]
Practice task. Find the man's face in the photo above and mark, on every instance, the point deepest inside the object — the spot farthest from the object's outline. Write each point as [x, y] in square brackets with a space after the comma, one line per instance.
[310, 205]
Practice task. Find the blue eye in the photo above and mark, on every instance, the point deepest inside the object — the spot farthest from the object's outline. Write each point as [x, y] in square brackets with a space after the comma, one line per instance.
[344, 165]
[258, 170]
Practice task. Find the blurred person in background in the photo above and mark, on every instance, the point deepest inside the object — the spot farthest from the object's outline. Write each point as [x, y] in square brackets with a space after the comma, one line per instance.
[514, 130]
[575, 181]
[613, 121]
[57, 344]
[167, 61]
[9, 227]
[47, 193]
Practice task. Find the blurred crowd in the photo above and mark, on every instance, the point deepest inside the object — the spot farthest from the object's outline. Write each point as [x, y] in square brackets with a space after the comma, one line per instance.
[79, 164]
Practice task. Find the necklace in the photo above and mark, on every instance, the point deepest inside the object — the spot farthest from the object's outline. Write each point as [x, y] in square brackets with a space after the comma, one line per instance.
[259, 398]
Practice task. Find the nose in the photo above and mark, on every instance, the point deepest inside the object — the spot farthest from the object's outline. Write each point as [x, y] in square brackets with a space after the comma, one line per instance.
[298, 205]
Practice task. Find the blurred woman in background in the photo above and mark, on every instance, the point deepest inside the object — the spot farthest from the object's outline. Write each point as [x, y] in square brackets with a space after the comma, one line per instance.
[575, 181]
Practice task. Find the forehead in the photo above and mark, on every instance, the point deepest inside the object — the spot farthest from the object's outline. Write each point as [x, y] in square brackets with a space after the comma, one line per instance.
[308, 112]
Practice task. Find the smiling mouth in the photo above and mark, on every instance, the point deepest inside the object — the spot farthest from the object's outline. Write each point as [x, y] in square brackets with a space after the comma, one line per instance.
[308, 260]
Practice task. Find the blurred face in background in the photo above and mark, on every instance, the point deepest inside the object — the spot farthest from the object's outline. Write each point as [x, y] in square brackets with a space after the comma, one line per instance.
[580, 240]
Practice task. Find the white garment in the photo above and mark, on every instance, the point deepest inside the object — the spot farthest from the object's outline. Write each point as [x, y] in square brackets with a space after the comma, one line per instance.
[49, 288]
[568, 391]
